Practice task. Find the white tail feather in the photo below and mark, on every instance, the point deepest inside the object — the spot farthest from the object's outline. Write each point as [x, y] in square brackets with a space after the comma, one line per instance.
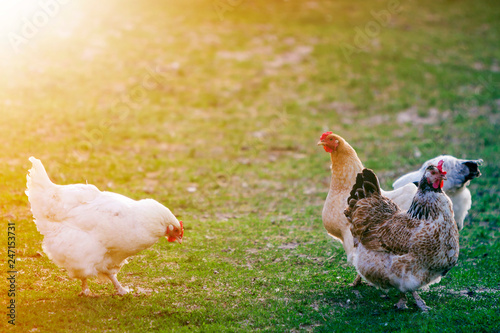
[37, 176]
[39, 188]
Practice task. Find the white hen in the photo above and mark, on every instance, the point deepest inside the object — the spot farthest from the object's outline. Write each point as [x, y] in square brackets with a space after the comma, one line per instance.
[460, 172]
[89, 232]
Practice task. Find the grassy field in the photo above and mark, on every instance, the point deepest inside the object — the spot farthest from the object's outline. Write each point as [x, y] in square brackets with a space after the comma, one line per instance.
[214, 109]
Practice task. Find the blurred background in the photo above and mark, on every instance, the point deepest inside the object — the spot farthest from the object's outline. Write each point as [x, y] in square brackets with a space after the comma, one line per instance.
[223, 89]
[214, 107]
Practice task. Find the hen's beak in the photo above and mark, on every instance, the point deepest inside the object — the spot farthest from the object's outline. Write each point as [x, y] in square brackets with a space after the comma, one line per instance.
[179, 239]
[321, 143]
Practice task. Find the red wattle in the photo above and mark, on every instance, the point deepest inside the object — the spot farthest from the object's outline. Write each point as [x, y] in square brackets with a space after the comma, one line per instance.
[328, 149]
[437, 184]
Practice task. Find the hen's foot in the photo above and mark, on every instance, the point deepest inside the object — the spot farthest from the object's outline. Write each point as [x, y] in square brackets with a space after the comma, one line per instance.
[85, 292]
[85, 289]
[119, 289]
[357, 281]
[420, 302]
[401, 304]
[122, 291]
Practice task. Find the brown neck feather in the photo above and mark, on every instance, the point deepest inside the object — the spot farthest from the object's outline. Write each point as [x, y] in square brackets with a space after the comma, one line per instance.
[345, 166]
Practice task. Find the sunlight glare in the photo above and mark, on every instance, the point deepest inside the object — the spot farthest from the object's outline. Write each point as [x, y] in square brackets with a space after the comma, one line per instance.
[12, 14]
[22, 20]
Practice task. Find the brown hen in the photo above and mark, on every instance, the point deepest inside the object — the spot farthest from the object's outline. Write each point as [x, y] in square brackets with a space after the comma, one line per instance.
[345, 166]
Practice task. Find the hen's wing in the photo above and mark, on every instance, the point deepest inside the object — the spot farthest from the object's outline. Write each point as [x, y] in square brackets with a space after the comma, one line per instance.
[395, 234]
[380, 225]
[376, 221]
[115, 221]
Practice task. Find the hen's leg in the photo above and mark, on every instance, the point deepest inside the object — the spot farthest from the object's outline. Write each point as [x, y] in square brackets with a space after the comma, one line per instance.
[420, 302]
[401, 305]
[119, 289]
[357, 281]
[85, 288]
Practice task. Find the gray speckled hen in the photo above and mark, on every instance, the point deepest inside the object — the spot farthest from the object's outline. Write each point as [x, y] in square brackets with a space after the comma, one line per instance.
[405, 250]
[460, 173]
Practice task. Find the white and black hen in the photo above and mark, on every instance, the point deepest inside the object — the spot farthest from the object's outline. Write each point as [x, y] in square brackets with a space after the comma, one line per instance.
[460, 173]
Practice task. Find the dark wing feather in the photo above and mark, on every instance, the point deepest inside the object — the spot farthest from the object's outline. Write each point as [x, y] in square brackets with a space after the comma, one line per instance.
[370, 182]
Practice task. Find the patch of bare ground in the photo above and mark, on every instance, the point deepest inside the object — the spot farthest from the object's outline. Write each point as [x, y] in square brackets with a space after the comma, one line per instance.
[486, 111]
[412, 115]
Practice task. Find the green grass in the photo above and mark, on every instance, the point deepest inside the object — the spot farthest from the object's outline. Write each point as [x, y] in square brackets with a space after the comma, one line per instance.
[151, 99]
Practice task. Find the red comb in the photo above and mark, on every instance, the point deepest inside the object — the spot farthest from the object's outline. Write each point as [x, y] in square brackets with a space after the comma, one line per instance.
[324, 135]
[440, 167]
